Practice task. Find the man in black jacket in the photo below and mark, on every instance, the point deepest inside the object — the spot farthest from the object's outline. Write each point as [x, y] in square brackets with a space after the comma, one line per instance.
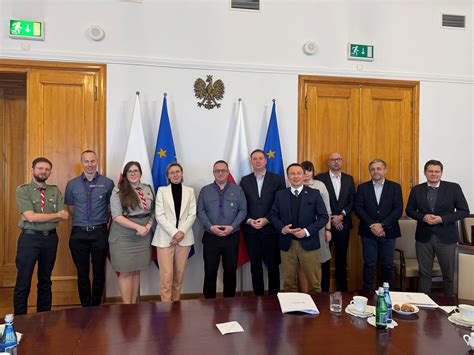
[341, 190]
[260, 188]
[436, 205]
[379, 205]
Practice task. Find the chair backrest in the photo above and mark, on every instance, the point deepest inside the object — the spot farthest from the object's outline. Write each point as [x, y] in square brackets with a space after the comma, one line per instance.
[464, 277]
[467, 224]
[407, 240]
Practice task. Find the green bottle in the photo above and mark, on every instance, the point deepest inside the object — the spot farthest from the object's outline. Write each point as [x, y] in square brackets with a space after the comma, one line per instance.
[381, 310]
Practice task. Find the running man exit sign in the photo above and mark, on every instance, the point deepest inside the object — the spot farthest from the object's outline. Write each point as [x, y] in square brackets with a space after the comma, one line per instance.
[27, 29]
[360, 52]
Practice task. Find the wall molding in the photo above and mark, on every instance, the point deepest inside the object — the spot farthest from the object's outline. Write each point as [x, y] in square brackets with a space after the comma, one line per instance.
[233, 67]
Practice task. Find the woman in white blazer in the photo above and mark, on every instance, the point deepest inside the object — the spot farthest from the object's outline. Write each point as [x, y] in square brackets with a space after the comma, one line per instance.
[175, 213]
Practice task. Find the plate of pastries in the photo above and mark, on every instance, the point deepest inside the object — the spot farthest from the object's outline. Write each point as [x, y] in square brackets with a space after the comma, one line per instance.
[405, 309]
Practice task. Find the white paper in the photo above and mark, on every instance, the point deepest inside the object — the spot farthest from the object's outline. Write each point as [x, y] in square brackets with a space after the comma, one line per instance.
[297, 302]
[229, 327]
[415, 298]
[447, 309]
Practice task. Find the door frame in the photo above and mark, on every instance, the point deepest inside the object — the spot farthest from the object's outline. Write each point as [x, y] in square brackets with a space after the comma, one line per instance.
[25, 66]
[304, 80]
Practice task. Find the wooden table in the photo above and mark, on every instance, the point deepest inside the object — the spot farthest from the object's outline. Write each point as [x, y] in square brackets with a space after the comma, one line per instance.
[188, 327]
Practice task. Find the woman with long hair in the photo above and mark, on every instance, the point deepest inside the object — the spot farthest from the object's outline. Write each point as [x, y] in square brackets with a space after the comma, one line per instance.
[175, 212]
[132, 207]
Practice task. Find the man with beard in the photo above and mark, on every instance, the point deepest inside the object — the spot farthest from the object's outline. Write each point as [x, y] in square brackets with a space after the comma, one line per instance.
[41, 208]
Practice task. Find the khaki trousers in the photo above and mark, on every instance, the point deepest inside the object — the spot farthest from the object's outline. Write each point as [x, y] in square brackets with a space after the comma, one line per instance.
[172, 262]
[309, 263]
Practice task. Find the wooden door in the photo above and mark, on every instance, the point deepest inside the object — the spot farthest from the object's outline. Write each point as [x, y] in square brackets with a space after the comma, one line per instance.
[362, 119]
[13, 168]
[64, 115]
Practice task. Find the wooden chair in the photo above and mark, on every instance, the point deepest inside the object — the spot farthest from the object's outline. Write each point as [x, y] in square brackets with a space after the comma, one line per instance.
[467, 225]
[406, 264]
[464, 275]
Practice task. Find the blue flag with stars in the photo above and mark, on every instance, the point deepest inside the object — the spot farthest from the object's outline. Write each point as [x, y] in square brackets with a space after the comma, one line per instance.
[272, 146]
[164, 151]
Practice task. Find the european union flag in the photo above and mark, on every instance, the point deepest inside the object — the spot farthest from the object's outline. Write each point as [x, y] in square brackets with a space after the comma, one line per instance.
[272, 146]
[164, 151]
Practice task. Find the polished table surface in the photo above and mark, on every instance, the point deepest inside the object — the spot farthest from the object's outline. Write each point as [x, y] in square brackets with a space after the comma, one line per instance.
[188, 327]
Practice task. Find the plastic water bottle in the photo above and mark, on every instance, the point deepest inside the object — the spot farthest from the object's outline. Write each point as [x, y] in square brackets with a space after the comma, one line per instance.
[9, 340]
[388, 301]
[381, 310]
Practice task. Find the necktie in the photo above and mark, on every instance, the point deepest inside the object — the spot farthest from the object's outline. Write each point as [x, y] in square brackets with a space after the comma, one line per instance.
[296, 193]
[42, 198]
[142, 197]
[432, 195]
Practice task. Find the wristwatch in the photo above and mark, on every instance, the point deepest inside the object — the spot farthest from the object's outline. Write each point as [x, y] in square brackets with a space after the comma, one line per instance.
[328, 229]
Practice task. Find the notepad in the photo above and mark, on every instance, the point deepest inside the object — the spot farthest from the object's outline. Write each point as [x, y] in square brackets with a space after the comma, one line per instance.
[229, 327]
[297, 302]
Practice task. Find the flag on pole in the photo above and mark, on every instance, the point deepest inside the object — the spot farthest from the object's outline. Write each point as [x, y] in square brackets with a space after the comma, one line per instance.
[272, 146]
[239, 165]
[164, 151]
[136, 145]
[165, 154]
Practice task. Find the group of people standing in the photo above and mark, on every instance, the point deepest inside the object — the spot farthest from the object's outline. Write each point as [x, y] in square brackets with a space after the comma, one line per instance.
[294, 226]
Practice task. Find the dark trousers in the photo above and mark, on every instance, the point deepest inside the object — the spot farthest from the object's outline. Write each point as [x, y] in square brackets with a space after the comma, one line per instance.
[31, 249]
[87, 247]
[425, 253]
[340, 240]
[325, 275]
[213, 248]
[383, 249]
[264, 249]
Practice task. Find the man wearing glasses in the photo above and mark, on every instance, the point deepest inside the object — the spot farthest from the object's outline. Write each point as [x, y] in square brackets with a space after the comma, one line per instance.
[87, 197]
[221, 208]
[341, 190]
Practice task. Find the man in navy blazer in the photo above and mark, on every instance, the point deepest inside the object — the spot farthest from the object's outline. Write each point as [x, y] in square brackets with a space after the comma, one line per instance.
[379, 205]
[436, 205]
[260, 188]
[298, 213]
[341, 190]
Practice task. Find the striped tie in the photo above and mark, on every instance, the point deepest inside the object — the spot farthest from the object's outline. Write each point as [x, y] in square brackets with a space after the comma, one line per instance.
[142, 197]
[42, 198]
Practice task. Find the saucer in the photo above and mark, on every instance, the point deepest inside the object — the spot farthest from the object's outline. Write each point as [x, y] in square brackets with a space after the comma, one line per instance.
[369, 311]
[456, 319]
[371, 321]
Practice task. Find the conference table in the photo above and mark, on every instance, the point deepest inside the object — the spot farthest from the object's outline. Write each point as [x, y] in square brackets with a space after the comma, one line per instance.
[189, 327]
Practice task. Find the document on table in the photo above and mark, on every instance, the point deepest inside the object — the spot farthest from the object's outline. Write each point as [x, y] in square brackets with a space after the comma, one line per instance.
[415, 298]
[297, 302]
[229, 327]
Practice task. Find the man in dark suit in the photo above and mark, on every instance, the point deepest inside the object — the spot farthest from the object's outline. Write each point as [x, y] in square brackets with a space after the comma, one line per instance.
[298, 213]
[260, 189]
[436, 205]
[341, 190]
[379, 205]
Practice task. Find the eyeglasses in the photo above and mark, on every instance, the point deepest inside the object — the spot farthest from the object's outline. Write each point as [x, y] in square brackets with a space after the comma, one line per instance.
[297, 173]
[220, 171]
[335, 159]
[133, 172]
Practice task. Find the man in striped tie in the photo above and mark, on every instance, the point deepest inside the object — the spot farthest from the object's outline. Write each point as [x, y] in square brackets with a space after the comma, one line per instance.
[41, 208]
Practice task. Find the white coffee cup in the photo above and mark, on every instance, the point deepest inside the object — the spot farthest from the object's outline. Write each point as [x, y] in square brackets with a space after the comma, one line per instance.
[466, 312]
[359, 303]
[469, 339]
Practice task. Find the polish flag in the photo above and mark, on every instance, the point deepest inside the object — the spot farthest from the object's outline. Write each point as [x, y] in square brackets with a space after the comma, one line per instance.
[239, 166]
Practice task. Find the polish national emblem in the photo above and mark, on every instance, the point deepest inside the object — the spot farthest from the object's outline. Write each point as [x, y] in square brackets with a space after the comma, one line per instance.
[209, 92]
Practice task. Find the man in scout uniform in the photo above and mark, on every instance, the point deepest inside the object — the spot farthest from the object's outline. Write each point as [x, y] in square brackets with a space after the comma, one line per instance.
[41, 207]
[88, 196]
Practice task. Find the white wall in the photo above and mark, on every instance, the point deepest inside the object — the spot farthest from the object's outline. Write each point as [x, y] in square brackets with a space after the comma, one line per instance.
[163, 46]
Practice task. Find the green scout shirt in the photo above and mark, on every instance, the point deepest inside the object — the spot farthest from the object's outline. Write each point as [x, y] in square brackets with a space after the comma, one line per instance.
[28, 199]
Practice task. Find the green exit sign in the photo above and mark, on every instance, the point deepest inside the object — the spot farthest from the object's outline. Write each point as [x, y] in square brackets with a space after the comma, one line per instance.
[360, 52]
[27, 29]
